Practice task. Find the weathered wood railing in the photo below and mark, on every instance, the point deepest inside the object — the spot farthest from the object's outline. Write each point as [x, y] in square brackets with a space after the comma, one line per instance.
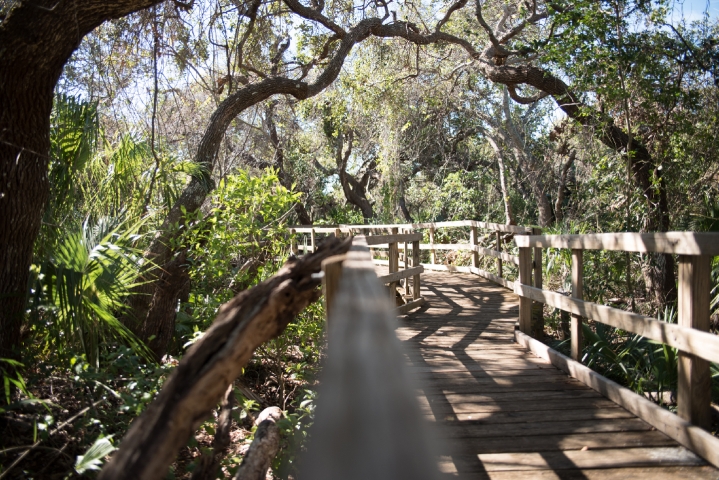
[411, 298]
[500, 235]
[367, 422]
[697, 347]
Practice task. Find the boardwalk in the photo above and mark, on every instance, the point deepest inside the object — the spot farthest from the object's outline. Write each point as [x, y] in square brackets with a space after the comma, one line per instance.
[508, 414]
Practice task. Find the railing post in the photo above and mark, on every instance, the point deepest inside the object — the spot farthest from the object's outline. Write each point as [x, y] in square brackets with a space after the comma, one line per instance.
[332, 268]
[293, 242]
[499, 260]
[406, 266]
[393, 265]
[338, 233]
[312, 241]
[415, 263]
[431, 242]
[474, 242]
[694, 385]
[525, 304]
[577, 292]
[537, 307]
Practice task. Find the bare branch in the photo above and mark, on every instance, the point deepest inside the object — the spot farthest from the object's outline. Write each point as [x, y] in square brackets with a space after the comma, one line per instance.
[456, 6]
[316, 15]
[512, 89]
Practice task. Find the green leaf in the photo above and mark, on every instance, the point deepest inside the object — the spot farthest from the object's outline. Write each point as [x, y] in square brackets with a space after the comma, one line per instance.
[93, 457]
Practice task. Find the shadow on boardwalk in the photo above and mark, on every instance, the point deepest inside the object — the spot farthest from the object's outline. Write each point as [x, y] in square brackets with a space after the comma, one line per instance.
[507, 414]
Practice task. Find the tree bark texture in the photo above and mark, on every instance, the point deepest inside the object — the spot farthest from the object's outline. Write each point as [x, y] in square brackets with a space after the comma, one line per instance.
[201, 379]
[36, 40]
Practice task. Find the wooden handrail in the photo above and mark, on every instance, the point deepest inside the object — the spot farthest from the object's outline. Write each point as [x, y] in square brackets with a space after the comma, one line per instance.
[696, 346]
[680, 243]
[333, 268]
[416, 226]
[368, 423]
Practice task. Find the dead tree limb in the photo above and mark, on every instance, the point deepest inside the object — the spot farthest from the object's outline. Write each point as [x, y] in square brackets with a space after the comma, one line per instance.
[264, 447]
[198, 383]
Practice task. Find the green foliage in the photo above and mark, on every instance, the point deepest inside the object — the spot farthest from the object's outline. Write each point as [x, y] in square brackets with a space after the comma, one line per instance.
[92, 459]
[82, 287]
[235, 244]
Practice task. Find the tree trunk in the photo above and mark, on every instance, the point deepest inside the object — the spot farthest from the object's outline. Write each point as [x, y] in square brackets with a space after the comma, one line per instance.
[36, 39]
[508, 214]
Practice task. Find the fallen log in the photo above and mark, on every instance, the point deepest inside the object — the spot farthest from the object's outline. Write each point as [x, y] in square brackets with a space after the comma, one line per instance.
[264, 447]
[198, 383]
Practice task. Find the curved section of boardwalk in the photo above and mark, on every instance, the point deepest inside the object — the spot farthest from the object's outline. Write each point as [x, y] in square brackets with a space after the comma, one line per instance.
[508, 414]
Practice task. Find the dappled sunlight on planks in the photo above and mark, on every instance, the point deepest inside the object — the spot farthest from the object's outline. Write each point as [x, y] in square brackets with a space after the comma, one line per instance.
[505, 413]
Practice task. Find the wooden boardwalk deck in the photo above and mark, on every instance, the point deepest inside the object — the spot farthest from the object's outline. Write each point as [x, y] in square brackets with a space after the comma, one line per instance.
[508, 414]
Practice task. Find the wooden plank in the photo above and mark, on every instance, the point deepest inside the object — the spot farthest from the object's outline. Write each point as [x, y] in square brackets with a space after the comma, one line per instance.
[402, 309]
[445, 246]
[313, 244]
[498, 255]
[577, 342]
[374, 240]
[652, 472]
[694, 377]
[500, 227]
[680, 243]
[406, 273]
[702, 344]
[490, 276]
[520, 406]
[539, 429]
[555, 443]
[589, 459]
[691, 436]
[523, 418]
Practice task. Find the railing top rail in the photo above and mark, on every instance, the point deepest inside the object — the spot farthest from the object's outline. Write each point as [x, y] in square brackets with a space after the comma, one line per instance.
[366, 388]
[681, 243]
[460, 223]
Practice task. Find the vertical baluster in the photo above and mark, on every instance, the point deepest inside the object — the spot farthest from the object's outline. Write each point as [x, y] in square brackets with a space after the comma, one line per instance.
[431, 242]
[537, 307]
[499, 260]
[694, 392]
[293, 242]
[406, 266]
[415, 263]
[525, 304]
[577, 292]
[312, 241]
[474, 242]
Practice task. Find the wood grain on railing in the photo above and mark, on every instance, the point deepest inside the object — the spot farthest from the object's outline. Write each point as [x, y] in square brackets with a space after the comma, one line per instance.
[368, 423]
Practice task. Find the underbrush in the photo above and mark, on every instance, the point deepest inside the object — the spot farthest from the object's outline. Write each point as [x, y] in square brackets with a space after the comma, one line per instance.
[68, 415]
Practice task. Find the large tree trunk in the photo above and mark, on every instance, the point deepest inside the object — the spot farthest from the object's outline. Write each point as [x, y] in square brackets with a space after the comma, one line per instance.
[36, 39]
